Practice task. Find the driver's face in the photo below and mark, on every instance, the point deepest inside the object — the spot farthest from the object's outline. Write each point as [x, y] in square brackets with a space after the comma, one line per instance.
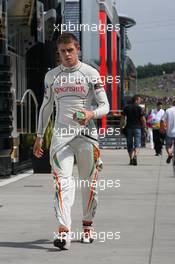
[68, 54]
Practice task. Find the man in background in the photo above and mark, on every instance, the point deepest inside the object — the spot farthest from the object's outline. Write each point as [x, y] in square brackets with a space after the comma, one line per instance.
[158, 138]
[134, 121]
[168, 123]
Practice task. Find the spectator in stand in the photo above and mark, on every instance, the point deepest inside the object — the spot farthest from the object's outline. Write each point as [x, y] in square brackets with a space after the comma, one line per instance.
[158, 138]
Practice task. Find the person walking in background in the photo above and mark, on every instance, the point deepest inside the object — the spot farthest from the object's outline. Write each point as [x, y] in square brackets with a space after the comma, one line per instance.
[168, 124]
[134, 121]
[143, 129]
[158, 138]
[150, 130]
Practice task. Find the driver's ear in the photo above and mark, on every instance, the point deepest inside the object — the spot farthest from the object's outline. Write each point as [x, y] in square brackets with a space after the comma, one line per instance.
[78, 48]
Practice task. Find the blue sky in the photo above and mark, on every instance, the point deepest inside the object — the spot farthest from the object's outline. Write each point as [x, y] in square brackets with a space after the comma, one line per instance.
[153, 37]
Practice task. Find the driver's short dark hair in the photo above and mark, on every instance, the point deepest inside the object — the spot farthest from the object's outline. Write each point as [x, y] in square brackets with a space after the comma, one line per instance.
[67, 38]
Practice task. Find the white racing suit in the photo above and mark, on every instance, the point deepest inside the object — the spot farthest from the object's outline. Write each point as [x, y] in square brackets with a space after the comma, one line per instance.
[73, 89]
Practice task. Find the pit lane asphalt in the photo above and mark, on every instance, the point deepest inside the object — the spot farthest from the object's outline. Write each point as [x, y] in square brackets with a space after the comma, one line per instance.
[141, 209]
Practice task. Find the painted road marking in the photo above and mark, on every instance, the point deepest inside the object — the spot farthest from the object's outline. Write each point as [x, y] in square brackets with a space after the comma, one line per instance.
[16, 178]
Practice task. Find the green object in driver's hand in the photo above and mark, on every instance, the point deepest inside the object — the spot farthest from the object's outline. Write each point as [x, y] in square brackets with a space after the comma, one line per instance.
[80, 115]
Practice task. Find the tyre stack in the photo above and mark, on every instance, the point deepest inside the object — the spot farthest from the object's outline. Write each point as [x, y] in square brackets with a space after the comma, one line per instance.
[5, 116]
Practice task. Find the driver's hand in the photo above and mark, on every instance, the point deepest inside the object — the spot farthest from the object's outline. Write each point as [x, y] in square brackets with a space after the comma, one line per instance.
[37, 148]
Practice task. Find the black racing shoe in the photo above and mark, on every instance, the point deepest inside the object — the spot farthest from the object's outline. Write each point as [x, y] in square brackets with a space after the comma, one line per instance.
[134, 161]
[169, 159]
[62, 240]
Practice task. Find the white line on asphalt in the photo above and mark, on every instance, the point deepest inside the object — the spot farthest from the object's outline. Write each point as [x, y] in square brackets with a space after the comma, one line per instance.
[16, 178]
